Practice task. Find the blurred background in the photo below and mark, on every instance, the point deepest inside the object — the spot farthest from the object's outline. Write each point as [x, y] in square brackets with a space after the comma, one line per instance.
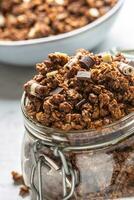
[11, 84]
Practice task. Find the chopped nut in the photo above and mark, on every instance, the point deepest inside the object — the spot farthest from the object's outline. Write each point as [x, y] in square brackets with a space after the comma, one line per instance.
[26, 1]
[51, 74]
[60, 2]
[61, 16]
[32, 33]
[83, 75]
[2, 20]
[93, 12]
[107, 58]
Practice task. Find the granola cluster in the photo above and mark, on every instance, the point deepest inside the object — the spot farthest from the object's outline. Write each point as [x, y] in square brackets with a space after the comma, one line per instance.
[28, 19]
[18, 180]
[84, 91]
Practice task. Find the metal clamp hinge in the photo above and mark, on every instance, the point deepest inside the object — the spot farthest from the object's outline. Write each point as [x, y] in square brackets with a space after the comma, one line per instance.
[69, 174]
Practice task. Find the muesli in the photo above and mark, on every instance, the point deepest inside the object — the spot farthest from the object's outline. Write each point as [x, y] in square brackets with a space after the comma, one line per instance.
[29, 19]
[84, 91]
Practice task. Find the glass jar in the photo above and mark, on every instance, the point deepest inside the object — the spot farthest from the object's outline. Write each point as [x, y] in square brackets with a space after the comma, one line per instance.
[88, 164]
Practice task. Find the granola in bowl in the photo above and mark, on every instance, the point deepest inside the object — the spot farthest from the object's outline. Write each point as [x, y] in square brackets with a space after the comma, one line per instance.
[30, 19]
[84, 91]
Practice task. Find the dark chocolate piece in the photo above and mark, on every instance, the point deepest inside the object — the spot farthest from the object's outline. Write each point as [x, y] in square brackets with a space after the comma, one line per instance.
[80, 103]
[83, 75]
[131, 63]
[87, 62]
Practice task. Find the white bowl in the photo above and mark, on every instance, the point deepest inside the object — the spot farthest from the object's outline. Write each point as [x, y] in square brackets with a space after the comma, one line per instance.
[29, 52]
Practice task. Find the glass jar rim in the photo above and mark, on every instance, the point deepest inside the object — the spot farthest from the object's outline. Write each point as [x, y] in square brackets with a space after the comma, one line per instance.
[114, 130]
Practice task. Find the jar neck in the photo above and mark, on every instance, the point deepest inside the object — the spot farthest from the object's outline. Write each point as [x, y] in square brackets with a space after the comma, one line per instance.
[108, 135]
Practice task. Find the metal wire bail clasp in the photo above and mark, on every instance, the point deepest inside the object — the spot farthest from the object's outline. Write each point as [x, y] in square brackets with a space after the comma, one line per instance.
[39, 161]
[69, 175]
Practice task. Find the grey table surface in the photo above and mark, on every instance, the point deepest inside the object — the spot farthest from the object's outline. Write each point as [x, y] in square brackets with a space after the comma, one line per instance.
[11, 122]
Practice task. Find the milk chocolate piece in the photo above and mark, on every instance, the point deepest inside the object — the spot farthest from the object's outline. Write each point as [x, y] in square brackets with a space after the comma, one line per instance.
[73, 61]
[87, 61]
[83, 75]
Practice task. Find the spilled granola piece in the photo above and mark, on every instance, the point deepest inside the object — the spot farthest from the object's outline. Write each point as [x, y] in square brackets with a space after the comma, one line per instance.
[29, 19]
[84, 91]
[17, 178]
[24, 191]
